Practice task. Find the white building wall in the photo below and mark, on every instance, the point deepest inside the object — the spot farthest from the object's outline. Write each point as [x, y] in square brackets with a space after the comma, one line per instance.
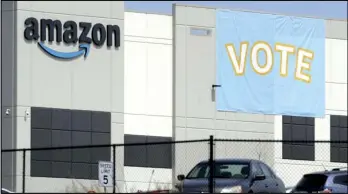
[145, 36]
[44, 82]
[336, 104]
[148, 89]
[148, 100]
[148, 96]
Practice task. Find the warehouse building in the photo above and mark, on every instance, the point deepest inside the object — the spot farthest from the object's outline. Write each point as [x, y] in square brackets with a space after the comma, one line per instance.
[143, 78]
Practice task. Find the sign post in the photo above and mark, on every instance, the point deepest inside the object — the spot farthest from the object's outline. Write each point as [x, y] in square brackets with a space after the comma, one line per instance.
[105, 173]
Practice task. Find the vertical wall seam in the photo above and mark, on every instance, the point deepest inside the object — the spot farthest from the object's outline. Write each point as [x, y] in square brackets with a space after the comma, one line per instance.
[174, 93]
[14, 90]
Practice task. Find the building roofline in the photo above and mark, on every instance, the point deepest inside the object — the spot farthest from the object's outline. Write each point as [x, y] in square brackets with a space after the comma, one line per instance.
[229, 9]
[254, 11]
[146, 12]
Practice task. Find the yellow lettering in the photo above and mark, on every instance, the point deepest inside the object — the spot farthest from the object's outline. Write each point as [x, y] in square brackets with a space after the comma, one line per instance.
[238, 63]
[301, 65]
[267, 67]
[303, 59]
[284, 51]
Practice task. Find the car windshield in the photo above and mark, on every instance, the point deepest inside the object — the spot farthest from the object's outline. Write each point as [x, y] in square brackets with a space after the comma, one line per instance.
[312, 182]
[221, 170]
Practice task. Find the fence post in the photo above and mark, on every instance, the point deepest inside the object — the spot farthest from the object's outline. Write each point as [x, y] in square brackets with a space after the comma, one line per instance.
[211, 164]
[114, 164]
[23, 171]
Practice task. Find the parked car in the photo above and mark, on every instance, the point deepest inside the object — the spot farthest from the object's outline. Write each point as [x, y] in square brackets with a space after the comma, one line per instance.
[333, 181]
[5, 191]
[157, 191]
[232, 176]
[288, 189]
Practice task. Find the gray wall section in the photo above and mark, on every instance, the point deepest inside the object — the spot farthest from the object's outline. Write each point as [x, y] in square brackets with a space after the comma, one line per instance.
[336, 29]
[195, 115]
[149, 156]
[338, 132]
[8, 103]
[62, 127]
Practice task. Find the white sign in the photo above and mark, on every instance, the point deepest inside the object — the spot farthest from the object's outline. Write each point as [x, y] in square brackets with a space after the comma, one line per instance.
[105, 173]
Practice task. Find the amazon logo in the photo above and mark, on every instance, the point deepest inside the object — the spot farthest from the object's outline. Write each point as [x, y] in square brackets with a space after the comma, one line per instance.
[70, 33]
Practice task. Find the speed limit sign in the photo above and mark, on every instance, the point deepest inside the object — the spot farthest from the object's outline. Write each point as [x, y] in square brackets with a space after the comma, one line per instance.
[105, 173]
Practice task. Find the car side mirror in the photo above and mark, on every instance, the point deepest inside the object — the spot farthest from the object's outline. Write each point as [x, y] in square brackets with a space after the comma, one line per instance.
[259, 177]
[181, 177]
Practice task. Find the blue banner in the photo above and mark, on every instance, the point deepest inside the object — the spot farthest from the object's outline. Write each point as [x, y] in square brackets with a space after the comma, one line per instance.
[270, 64]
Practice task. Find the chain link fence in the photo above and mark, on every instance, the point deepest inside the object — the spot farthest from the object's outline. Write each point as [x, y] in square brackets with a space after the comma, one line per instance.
[154, 166]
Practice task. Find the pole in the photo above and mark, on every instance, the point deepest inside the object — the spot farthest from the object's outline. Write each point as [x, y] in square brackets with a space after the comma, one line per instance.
[114, 164]
[211, 164]
[0, 93]
[23, 173]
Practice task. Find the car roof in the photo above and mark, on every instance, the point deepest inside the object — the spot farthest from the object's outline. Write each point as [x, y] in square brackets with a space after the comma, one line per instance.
[232, 160]
[331, 172]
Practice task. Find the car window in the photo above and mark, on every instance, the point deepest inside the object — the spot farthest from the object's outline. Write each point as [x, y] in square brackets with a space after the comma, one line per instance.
[311, 182]
[199, 171]
[341, 180]
[266, 171]
[221, 170]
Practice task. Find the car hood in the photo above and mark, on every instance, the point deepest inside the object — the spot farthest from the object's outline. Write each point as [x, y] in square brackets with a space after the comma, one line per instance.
[202, 185]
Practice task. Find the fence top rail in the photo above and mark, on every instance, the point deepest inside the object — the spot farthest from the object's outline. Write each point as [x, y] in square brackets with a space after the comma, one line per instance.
[169, 142]
[278, 141]
[103, 145]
